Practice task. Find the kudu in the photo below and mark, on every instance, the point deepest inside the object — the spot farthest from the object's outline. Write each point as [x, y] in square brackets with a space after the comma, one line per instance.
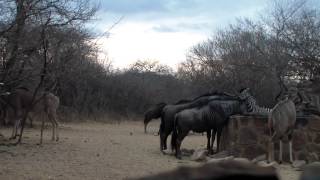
[44, 104]
[281, 123]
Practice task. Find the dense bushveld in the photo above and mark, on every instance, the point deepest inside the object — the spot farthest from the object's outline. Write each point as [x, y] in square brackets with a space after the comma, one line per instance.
[44, 45]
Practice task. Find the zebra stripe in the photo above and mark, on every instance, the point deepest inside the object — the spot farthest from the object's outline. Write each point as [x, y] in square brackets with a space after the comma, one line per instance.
[254, 108]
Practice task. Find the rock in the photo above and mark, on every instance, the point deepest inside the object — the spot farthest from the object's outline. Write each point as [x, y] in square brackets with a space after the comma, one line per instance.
[313, 147]
[187, 152]
[199, 155]
[312, 157]
[242, 160]
[300, 140]
[317, 139]
[299, 164]
[221, 154]
[217, 160]
[259, 158]
[311, 171]
[253, 151]
[247, 136]
[266, 164]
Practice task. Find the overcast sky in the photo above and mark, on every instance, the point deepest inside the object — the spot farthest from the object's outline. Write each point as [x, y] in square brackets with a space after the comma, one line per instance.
[164, 30]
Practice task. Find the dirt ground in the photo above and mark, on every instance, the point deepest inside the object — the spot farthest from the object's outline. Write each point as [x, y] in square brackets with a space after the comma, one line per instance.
[95, 151]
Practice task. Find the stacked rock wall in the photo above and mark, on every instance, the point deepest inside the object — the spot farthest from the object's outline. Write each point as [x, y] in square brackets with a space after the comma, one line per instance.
[246, 136]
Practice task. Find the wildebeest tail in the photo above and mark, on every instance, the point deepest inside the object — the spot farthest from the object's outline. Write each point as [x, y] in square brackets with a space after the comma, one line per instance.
[174, 134]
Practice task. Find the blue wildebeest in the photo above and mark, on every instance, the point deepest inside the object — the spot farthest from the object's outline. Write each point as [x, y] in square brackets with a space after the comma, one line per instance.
[169, 112]
[212, 116]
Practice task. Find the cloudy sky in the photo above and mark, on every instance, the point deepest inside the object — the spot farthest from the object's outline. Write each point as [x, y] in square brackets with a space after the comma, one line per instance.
[164, 30]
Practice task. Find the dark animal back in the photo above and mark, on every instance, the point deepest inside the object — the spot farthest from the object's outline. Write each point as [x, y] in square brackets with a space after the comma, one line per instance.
[182, 101]
[215, 93]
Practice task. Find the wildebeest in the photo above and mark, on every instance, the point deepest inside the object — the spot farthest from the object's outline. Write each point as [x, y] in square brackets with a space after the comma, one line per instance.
[156, 111]
[213, 116]
[281, 123]
[169, 112]
[153, 113]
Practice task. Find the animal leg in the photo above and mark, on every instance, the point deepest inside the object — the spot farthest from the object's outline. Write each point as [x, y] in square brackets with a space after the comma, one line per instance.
[31, 121]
[290, 146]
[55, 124]
[290, 151]
[270, 151]
[23, 121]
[13, 134]
[280, 153]
[41, 132]
[57, 130]
[161, 141]
[161, 133]
[165, 140]
[15, 129]
[145, 128]
[213, 137]
[53, 128]
[208, 141]
[181, 136]
[56, 127]
[218, 139]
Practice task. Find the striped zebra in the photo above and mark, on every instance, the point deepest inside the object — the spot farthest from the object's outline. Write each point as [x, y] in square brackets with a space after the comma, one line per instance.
[252, 106]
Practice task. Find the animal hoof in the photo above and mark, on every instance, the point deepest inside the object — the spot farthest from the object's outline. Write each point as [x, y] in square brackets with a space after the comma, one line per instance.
[57, 139]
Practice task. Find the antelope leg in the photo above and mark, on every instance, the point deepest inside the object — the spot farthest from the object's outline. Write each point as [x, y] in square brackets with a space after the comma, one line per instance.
[280, 153]
[290, 151]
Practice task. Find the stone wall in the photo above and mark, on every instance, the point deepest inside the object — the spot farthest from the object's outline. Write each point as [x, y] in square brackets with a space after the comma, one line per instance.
[246, 136]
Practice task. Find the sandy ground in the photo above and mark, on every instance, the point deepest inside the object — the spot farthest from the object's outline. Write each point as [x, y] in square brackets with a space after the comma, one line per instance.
[96, 151]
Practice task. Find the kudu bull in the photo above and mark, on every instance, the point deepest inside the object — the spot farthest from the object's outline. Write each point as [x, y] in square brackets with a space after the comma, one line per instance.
[44, 104]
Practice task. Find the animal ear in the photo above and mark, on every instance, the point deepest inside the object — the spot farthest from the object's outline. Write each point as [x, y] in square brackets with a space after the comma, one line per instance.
[244, 90]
